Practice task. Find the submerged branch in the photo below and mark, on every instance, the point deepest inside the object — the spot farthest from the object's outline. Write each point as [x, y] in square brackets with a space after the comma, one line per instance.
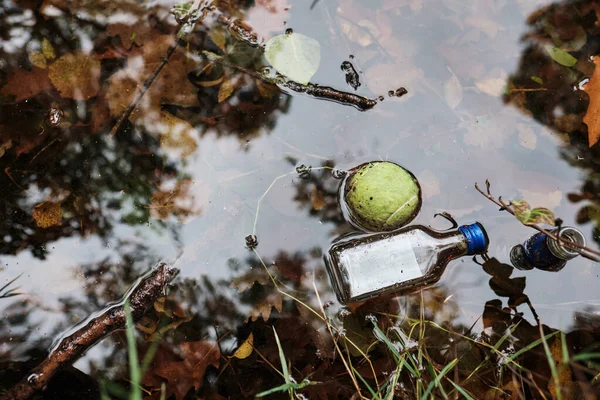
[141, 297]
[584, 251]
[321, 92]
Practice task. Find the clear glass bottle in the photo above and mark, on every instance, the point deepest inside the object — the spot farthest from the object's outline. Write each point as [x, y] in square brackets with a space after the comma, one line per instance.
[366, 266]
[542, 252]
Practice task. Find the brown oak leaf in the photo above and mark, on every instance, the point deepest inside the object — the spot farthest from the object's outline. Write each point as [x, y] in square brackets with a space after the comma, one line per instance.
[592, 115]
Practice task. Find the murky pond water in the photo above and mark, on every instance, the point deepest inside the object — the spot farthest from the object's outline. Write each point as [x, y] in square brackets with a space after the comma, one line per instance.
[86, 210]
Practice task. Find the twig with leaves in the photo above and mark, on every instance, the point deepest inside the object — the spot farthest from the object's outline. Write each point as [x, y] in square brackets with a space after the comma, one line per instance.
[584, 251]
[141, 297]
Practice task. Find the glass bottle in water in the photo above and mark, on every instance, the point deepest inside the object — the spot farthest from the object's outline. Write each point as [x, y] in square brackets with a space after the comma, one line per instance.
[542, 252]
[366, 266]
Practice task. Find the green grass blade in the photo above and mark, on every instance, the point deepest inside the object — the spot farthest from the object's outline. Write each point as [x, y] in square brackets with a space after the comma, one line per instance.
[585, 356]
[552, 365]
[461, 390]
[284, 368]
[438, 378]
[374, 395]
[530, 346]
[380, 335]
[282, 388]
[134, 368]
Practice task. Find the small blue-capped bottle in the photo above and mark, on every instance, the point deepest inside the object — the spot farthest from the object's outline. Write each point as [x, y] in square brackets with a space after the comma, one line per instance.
[362, 267]
[542, 252]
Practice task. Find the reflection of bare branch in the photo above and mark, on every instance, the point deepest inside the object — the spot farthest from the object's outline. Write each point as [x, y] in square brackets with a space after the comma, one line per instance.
[584, 251]
[203, 11]
[6, 291]
[70, 348]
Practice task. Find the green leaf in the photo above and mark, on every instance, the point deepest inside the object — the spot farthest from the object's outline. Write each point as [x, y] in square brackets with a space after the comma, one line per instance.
[294, 55]
[561, 56]
[537, 79]
[529, 216]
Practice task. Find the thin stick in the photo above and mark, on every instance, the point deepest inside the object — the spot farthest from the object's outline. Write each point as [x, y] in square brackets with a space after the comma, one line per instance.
[594, 256]
[70, 348]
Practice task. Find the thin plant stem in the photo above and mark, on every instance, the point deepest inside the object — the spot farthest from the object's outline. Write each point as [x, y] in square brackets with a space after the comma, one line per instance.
[584, 251]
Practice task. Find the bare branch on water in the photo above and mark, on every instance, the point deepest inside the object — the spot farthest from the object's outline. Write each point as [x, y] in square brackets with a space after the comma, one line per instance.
[321, 92]
[141, 297]
[584, 251]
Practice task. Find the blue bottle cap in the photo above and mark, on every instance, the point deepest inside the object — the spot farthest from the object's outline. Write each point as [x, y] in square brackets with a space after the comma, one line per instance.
[477, 238]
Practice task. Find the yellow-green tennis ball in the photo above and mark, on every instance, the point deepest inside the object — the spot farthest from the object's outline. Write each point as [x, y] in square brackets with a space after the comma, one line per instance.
[382, 196]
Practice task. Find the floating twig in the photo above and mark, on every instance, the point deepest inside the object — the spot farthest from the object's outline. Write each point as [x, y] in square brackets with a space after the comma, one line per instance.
[141, 297]
[321, 92]
[584, 251]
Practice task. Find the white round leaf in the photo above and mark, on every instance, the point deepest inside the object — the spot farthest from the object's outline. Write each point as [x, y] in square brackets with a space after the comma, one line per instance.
[294, 55]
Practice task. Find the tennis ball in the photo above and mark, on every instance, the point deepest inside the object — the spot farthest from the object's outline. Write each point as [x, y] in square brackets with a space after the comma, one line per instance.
[381, 196]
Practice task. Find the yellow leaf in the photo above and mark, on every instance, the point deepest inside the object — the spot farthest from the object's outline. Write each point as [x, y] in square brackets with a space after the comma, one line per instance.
[246, 348]
[48, 50]
[226, 89]
[47, 214]
[37, 59]
[317, 199]
[592, 115]
[76, 76]
[218, 37]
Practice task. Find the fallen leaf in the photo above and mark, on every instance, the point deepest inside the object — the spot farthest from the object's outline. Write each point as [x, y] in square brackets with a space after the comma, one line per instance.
[218, 37]
[76, 76]
[246, 281]
[177, 202]
[37, 59]
[268, 16]
[529, 216]
[226, 89]
[453, 91]
[493, 84]
[294, 55]
[23, 84]
[265, 306]
[245, 348]
[592, 115]
[48, 49]
[488, 26]
[47, 214]
[182, 375]
[527, 137]
[430, 185]
[567, 389]
[176, 133]
[317, 199]
[560, 56]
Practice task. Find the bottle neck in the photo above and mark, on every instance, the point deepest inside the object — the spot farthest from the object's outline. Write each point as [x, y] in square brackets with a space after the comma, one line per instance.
[569, 234]
[454, 244]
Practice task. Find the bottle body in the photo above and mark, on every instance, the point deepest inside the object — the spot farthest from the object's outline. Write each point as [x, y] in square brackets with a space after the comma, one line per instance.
[542, 252]
[367, 266]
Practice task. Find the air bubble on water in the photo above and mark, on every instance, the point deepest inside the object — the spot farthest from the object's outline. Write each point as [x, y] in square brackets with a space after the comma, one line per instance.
[371, 318]
[327, 305]
[289, 31]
